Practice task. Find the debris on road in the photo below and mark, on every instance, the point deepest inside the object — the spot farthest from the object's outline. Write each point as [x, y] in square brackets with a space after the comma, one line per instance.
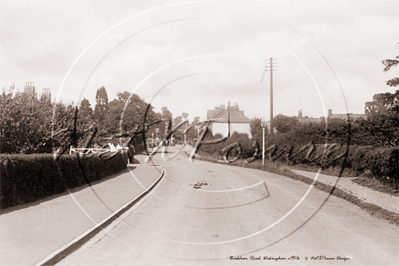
[199, 185]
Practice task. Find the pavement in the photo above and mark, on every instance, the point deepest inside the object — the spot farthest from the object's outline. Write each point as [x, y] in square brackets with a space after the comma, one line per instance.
[383, 200]
[30, 232]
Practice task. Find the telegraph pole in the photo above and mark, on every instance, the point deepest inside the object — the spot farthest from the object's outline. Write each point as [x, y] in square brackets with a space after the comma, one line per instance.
[271, 69]
[228, 119]
[271, 95]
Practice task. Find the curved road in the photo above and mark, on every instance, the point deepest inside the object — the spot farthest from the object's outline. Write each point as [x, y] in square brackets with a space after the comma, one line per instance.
[239, 216]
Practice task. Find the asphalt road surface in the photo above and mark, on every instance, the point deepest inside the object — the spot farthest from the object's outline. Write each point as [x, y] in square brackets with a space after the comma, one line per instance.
[239, 216]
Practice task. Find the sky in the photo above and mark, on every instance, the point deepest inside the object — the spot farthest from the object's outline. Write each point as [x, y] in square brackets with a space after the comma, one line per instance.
[192, 56]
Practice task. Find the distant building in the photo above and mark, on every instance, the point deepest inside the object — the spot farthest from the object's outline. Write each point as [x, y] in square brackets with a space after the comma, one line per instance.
[306, 119]
[238, 121]
[345, 116]
[29, 87]
[46, 95]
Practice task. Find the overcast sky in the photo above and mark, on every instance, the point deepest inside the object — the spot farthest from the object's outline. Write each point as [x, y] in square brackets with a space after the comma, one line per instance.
[193, 56]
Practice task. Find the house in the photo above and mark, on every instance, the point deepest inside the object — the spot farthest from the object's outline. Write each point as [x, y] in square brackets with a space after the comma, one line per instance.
[345, 116]
[306, 119]
[29, 88]
[46, 95]
[238, 121]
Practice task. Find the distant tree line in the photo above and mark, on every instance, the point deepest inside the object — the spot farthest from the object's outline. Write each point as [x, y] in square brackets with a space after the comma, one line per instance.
[379, 128]
[27, 122]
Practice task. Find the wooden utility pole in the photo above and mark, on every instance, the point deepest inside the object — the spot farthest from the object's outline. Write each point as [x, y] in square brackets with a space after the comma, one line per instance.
[270, 66]
[271, 95]
[228, 119]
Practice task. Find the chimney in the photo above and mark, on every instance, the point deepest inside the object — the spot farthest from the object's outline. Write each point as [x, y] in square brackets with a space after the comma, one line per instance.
[46, 94]
[300, 113]
[329, 112]
[29, 87]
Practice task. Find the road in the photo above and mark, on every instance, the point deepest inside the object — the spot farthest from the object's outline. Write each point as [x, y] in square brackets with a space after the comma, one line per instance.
[237, 215]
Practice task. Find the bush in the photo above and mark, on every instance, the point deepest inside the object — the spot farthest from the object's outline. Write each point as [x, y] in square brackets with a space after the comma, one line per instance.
[26, 178]
[215, 150]
[382, 163]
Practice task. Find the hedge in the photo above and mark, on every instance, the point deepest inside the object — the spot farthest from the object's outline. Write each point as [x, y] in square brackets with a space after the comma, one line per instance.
[27, 178]
[381, 163]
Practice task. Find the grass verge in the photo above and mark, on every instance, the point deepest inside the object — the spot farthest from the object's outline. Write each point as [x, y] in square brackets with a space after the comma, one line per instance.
[333, 171]
[366, 181]
[377, 185]
[281, 169]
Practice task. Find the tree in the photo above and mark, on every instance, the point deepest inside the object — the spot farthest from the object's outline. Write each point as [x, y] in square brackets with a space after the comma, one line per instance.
[123, 96]
[85, 109]
[177, 120]
[101, 108]
[193, 132]
[25, 122]
[166, 113]
[85, 114]
[162, 126]
[383, 103]
[133, 114]
[388, 63]
[383, 118]
[196, 119]
[284, 123]
[256, 129]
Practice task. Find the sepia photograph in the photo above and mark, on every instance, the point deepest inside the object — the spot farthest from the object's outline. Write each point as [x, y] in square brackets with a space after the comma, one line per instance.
[203, 132]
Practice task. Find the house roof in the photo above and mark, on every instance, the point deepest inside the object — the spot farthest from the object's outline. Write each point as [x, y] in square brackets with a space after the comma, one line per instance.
[212, 113]
[236, 116]
[345, 116]
[310, 120]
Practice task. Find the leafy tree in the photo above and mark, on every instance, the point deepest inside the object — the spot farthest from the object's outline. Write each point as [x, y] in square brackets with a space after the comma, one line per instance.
[162, 126]
[388, 63]
[196, 119]
[383, 103]
[85, 115]
[64, 116]
[25, 122]
[101, 107]
[177, 120]
[383, 118]
[256, 129]
[284, 123]
[133, 111]
[123, 96]
[166, 113]
[85, 108]
[336, 130]
[179, 133]
[193, 132]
